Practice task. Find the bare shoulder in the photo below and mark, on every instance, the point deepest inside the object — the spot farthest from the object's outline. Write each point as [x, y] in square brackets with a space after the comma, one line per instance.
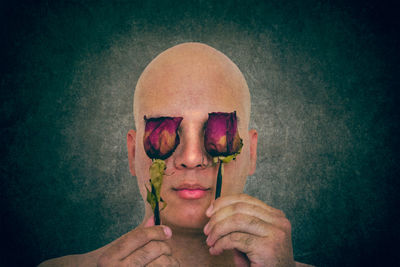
[88, 259]
[70, 260]
[299, 264]
[77, 260]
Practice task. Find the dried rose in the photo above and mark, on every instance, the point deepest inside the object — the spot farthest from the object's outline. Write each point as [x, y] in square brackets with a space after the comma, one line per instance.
[161, 138]
[222, 141]
[221, 137]
[160, 141]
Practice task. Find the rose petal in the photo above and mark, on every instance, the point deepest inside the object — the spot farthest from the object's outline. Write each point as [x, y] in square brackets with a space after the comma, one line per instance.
[161, 138]
[221, 136]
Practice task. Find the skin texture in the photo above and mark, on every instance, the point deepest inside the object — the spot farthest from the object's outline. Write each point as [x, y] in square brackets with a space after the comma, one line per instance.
[191, 80]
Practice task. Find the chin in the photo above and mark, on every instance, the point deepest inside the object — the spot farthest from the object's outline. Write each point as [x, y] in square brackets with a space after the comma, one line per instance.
[190, 217]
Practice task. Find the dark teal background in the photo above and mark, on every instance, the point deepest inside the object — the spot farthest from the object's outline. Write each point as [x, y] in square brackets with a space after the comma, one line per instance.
[324, 82]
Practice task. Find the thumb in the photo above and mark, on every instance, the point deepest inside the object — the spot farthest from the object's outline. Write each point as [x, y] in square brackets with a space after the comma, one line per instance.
[150, 222]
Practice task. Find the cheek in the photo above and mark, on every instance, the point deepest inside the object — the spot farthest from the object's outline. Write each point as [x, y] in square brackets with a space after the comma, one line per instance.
[142, 165]
[235, 174]
[236, 171]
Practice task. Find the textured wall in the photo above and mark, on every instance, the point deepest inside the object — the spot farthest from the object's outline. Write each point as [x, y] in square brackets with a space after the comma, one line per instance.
[324, 102]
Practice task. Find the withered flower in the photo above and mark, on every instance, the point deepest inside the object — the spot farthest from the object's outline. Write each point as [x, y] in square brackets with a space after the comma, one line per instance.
[222, 141]
[221, 136]
[160, 136]
[160, 141]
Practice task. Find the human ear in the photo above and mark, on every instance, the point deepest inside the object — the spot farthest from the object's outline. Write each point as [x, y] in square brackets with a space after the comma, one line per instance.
[253, 138]
[131, 145]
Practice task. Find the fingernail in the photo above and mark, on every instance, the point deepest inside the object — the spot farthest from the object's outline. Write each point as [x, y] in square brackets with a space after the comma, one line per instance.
[206, 229]
[167, 231]
[209, 210]
[208, 241]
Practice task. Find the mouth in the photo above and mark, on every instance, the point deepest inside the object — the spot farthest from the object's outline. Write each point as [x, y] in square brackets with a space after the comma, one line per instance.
[191, 191]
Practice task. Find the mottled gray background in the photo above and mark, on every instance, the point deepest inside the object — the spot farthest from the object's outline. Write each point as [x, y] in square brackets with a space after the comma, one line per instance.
[324, 82]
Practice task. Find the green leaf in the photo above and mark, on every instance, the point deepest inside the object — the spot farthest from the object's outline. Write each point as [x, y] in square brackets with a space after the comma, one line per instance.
[157, 169]
[227, 159]
[164, 206]
[151, 199]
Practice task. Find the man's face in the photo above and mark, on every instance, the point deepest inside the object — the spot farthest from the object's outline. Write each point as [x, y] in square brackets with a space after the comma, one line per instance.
[190, 87]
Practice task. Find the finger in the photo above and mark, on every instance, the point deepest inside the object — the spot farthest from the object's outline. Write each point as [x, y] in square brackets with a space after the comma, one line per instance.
[237, 240]
[150, 222]
[257, 249]
[247, 209]
[164, 260]
[229, 200]
[147, 254]
[135, 239]
[238, 223]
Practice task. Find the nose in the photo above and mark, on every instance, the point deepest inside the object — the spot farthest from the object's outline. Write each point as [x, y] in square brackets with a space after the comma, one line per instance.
[190, 153]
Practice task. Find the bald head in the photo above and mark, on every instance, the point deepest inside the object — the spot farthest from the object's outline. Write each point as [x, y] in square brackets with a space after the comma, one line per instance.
[190, 81]
[190, 75]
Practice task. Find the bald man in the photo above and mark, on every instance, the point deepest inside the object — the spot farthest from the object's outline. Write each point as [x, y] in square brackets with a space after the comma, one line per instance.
[192, 80]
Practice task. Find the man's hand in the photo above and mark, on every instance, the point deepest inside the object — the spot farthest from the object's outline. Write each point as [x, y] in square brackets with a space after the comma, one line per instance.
[143, 246]
[259, 234]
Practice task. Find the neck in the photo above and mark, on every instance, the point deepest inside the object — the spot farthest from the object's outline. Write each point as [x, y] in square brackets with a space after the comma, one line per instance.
[190, 248]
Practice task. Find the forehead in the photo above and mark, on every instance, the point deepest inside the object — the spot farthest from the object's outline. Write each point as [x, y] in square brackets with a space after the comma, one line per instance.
[183, 100]
[188, 90]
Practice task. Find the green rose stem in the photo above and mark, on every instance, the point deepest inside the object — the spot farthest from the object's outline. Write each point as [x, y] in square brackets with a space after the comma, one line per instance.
[156, 210]
[221, 160]
[219, 180]
[222, 141]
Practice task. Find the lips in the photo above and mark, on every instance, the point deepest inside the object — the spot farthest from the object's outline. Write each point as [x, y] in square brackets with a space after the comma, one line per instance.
[191, 191]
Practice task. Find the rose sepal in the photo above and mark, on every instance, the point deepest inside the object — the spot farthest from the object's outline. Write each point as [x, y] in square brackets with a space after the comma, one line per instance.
[227, 159]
